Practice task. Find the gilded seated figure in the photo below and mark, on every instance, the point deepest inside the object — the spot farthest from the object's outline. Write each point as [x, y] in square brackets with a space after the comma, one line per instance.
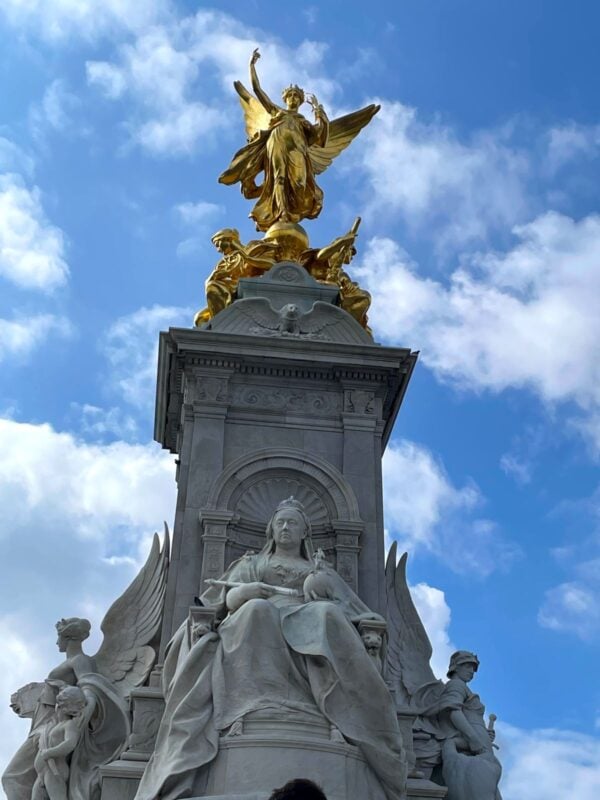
[239, 261]
[286, 639]
[327, 265]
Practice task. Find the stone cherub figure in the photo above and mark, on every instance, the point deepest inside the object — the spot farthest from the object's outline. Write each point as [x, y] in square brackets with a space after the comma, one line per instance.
[286, 631]
[99, 729]
[451, 740]
[289, 150]
[56, 740]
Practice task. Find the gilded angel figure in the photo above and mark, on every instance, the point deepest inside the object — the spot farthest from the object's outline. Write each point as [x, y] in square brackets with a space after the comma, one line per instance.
[289, 150]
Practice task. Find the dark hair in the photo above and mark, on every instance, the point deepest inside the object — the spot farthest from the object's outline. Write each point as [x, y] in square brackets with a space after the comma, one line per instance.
[298, 789]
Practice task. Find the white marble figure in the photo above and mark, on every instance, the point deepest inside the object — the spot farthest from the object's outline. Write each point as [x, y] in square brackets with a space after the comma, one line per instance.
[450, 729]
[105, 680]
[286, 640]
[56, 740]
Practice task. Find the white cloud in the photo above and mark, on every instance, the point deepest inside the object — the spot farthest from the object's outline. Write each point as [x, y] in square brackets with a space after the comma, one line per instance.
[520, 470]
[525, 318]
[13, 158]
[425, 173]
[57, 20]
[19, 337]
[179, 75]
[32, 250]
[131, 347]
[572, 606]
[19, 656]
[435, 616]
[540, 764]
[197, 216]
[197, 213]
[109, 79]
[571, 141]
[423, 509]
[55, 112]
[179, 130]
[81, 517]
[101, 423]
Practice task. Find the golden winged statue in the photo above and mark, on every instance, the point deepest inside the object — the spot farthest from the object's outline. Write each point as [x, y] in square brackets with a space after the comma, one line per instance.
[289, 150]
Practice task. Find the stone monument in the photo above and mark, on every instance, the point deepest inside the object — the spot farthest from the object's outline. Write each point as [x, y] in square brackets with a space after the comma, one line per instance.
[288, 646]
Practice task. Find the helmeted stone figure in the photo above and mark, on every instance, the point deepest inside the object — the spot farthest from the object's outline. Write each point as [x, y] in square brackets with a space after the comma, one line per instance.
[451, 737]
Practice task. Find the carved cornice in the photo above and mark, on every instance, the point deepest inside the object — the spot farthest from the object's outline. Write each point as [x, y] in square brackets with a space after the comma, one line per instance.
[194, 357]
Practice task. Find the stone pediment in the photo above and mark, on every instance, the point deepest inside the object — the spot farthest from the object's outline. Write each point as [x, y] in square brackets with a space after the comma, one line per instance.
[288, 282]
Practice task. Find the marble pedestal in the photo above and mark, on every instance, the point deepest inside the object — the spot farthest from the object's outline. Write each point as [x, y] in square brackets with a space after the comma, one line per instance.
[269, 750]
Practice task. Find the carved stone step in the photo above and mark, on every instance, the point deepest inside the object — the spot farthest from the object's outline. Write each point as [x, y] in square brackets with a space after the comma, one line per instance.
[419, 787]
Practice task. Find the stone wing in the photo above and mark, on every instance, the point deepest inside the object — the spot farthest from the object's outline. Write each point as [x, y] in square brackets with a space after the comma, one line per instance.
[409, 649]
[341, 132]
[260, 311]
[132, 622]
[256, 117]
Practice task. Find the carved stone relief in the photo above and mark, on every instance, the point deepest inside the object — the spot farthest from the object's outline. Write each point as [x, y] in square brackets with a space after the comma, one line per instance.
[326, 403]
[359, 401]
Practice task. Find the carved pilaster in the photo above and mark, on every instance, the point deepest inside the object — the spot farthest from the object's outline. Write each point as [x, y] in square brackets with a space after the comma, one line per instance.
[347, 548]
[207, 392]
[147, 707]
[214, 538]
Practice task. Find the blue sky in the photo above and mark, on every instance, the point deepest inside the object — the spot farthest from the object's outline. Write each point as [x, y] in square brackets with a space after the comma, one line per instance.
[480, 242]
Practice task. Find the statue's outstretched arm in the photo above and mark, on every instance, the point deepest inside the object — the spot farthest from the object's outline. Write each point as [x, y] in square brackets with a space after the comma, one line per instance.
[261, 95]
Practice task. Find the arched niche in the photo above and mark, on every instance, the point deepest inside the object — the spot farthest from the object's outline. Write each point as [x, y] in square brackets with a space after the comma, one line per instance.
[243, 497]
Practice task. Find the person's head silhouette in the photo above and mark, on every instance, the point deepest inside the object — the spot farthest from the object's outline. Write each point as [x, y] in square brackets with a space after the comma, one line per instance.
[298, 789]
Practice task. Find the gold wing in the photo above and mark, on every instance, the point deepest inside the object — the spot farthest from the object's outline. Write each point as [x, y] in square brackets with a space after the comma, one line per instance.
[341, 132]
[256, 117]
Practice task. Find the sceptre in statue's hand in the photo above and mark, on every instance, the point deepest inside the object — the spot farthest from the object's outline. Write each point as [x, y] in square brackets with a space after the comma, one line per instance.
[339, 252]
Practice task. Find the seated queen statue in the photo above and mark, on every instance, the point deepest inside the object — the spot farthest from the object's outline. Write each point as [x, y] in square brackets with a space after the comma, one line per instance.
[285, 640]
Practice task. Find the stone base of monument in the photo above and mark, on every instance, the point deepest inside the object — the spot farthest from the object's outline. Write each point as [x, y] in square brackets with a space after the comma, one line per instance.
[266, 750]
[416, 789]
[120, 779]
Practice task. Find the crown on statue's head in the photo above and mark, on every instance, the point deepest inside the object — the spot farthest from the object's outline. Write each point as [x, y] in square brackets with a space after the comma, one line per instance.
[291, 502]
[293, 88]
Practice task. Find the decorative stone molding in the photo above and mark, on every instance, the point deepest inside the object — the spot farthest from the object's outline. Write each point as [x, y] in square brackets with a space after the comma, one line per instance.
[298, 400]
[347, 548]
[327, 481]
[359, 401]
